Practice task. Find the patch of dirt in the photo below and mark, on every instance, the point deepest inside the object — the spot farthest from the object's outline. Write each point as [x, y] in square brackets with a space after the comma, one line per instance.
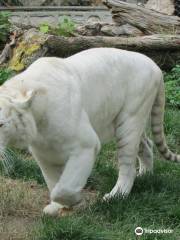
[21, 205]
[16, 228]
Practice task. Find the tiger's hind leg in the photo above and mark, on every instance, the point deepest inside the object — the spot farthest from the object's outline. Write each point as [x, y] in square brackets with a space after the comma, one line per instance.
[129, 131]
[145, 155]
[128, 135]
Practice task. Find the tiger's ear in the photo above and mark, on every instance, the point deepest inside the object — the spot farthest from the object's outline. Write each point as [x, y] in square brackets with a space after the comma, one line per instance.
[25, 101]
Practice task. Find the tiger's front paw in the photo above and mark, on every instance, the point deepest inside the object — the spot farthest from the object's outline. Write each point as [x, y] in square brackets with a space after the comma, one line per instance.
[52, 209]
[107, 197]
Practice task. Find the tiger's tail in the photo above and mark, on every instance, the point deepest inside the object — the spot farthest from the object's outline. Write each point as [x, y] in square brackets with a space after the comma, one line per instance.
[157, 120]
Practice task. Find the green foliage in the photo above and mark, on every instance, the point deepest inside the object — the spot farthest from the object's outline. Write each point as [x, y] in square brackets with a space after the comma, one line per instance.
[172, 85]
[172, 128]
[4, 26]
[5, 73]
[44, 28]
[66, 28]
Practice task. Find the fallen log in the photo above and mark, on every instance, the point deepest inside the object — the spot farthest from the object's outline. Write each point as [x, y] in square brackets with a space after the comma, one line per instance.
[62, 46]
[163, 49]
[163, 6]
[147, 20]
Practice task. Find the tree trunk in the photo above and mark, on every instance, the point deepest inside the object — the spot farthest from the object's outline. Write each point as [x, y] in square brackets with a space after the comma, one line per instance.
[163, 49]
[147, 20]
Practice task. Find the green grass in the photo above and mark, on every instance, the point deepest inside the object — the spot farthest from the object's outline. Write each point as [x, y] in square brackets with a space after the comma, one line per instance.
[23, 167]
[154, 203]
[172, 128]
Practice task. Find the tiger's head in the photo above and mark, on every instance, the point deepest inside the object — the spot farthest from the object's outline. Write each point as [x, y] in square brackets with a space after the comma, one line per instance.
[17, 125]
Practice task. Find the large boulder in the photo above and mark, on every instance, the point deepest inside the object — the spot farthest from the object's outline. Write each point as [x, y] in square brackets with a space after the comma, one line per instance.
[163, 6]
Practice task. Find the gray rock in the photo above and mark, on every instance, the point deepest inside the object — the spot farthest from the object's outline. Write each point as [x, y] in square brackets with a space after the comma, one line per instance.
[107, 29]
[115, 30]
[90, 29]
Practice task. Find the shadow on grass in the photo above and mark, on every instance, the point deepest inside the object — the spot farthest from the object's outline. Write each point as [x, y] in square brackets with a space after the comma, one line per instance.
[22, 167]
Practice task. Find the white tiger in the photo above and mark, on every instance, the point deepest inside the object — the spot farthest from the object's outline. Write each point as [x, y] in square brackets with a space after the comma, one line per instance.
[63, 109]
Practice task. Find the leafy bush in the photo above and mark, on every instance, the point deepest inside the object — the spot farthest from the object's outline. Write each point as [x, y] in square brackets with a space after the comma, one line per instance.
[4, 25]
[172, 84]
[44, 28]
[66, 28]
[5, 73]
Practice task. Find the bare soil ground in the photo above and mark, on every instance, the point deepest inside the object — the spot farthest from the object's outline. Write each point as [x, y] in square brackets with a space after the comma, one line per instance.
[21, 207]
[21, 204]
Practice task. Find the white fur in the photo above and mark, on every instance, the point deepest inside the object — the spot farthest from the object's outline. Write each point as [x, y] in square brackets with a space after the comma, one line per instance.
[52, 209]
[77, 104]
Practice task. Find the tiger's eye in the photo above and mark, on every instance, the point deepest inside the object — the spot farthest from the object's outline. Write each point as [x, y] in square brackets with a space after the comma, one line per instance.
[1, 124]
